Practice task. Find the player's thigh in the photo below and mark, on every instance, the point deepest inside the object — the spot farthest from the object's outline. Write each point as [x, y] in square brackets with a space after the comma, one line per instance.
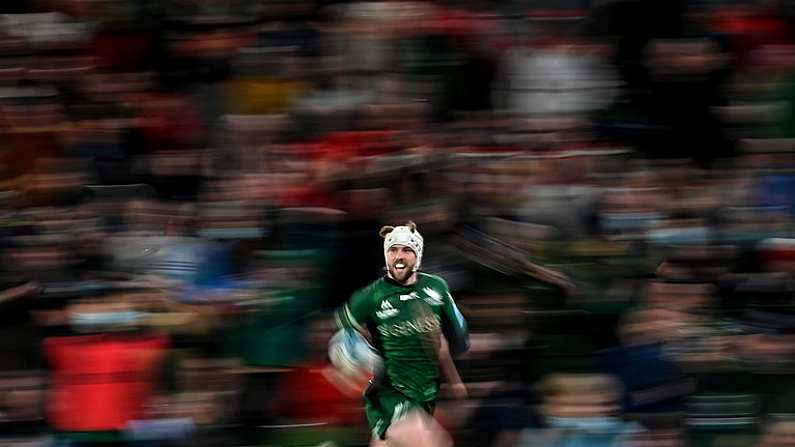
[417, 429]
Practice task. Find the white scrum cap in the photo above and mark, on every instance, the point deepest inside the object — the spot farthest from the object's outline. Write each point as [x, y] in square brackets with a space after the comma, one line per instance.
[403, 235]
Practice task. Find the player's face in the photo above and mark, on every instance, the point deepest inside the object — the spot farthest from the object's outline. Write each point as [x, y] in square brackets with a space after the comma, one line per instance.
[400, 262]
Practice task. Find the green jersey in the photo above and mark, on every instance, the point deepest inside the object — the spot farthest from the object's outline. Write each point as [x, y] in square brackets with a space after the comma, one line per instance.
[405, 323]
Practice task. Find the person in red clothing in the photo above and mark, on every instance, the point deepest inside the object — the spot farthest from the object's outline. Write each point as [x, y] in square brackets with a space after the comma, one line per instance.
[318, 393]
[100, 382]
[169, 122]
[315, 392]
[749, 28]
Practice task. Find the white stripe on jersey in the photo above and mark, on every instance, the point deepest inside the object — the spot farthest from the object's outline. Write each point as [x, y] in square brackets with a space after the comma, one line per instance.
[352, 320]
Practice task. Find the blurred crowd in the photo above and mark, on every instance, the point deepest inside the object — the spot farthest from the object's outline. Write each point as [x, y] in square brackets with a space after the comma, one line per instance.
[188, 188]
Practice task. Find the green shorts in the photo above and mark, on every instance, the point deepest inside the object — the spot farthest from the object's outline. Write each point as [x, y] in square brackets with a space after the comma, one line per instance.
[385, 406]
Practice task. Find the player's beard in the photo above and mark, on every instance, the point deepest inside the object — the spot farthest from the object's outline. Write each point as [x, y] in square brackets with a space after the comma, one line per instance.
[404, 275]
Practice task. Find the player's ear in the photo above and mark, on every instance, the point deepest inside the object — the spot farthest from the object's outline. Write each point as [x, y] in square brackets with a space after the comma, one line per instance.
[412, 226]
[386, 229]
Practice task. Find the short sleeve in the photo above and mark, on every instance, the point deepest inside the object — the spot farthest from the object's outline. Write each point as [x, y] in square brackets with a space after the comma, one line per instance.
[355, 313]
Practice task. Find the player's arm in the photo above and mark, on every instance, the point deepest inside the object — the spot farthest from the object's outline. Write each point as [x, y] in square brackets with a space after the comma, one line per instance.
[454, 342]
[454, 326]
[450, 372]
[355, 313]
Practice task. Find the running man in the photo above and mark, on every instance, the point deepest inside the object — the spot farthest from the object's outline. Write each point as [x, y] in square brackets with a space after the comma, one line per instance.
[411, 319]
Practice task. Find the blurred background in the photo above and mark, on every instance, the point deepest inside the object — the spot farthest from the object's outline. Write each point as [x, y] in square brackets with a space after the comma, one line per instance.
[189, 187]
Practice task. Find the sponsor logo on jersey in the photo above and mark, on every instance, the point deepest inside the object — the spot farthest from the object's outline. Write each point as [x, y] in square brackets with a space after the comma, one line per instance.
[387, 311]
[410, 296]
[404, 328]
[433, 298]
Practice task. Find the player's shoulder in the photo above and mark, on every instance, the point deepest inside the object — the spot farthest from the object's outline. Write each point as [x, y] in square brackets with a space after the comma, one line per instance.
[433, 280]
[371, 289]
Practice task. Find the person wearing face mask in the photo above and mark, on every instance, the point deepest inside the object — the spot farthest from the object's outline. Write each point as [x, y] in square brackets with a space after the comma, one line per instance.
[414, 324]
